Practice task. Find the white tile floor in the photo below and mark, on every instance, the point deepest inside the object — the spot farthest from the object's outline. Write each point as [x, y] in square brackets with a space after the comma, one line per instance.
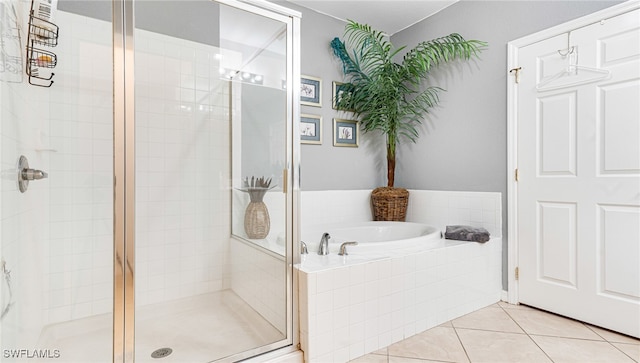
[503, 333]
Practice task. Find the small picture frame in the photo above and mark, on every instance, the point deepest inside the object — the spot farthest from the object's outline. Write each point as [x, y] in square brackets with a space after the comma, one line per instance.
[310, 129]
[337, 93]
[346, 132]
[310, 91]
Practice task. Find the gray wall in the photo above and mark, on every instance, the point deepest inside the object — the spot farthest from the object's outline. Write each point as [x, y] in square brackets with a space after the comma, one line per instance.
[263, 119]
[187, 19]
[325, 167]
[463, 143]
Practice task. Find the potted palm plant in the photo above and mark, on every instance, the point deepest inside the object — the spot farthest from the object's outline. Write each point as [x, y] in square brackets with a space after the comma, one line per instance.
[390, 97]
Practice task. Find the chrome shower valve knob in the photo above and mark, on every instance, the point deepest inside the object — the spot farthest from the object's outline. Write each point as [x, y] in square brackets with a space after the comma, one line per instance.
[25, 174]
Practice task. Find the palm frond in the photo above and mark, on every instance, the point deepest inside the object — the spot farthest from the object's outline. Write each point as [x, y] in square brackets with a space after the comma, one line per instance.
[389, 96]
[432, 53]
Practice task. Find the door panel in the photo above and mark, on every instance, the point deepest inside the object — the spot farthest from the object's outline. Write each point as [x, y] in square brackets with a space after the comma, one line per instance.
[556, 242]
[618, 224]
[579, 167]
[618, 141]
[557, 135]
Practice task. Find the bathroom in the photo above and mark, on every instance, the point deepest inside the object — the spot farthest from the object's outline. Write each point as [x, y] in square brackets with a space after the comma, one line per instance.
[157, 115]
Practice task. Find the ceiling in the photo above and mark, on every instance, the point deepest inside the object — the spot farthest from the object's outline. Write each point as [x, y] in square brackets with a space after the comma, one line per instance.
[388, 16]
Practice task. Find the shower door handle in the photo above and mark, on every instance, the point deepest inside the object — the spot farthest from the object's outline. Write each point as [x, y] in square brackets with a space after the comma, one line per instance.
[33, 174]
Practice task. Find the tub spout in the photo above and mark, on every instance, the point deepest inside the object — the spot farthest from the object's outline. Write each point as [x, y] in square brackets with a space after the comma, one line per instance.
[343, 247]
[324, 244]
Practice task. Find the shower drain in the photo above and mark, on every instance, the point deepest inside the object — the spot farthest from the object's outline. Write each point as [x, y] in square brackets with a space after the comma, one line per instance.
[161, 353]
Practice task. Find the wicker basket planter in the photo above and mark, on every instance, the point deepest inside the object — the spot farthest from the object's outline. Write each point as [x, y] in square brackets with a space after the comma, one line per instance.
[389, 204]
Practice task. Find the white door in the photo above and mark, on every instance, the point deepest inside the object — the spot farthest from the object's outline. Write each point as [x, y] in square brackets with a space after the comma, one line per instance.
[578, 158]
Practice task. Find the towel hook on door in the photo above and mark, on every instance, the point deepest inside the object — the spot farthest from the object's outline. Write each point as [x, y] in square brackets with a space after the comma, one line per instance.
[569, 48]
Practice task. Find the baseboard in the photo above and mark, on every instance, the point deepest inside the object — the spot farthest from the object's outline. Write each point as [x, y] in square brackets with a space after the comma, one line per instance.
[504, 296]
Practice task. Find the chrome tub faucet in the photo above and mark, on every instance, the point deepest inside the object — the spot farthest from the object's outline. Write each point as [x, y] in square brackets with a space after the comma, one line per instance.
[324, 244]
[343, 247]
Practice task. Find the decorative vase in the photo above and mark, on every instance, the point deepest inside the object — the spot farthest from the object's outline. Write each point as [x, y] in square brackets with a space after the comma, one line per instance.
[256, 216]
[256, 220]
[389, 204]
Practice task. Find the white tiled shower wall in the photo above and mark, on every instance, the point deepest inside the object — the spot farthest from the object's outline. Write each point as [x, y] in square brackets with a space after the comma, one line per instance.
[259, 278]
[182, 166]
[23, 114]
[78, 282]
[257, 268]
[183, 169]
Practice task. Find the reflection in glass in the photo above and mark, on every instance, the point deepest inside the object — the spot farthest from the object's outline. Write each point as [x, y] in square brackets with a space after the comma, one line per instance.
[203, 97]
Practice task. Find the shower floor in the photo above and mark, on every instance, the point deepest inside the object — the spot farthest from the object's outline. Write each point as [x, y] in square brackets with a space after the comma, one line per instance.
[199, 329]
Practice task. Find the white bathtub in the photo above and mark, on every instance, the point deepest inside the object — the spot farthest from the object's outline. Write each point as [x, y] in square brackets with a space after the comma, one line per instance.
[374, 238]
[385, 291]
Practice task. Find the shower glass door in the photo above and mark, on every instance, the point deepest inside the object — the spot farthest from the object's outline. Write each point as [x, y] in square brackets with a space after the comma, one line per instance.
[56, 233]
[212, 197]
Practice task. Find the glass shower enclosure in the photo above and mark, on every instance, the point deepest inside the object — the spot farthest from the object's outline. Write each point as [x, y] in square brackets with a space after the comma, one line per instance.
[148, 196]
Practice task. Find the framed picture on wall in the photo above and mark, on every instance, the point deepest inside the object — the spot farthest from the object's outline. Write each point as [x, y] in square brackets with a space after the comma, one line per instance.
[310, 91]
[339, 91]
[310, 129]
[346, 132]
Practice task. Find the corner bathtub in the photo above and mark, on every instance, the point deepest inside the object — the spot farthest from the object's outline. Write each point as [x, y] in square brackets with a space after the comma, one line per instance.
[371, 236]
[376, 240]
[400, 280]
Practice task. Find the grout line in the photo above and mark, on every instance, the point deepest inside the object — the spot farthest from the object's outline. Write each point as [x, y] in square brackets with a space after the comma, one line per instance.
[590, 326]
[461, 343]
[530, 336]
[603, 339]
[556, 336]
[492, 330]
[611, 343]
[622, 351]
[527, 334]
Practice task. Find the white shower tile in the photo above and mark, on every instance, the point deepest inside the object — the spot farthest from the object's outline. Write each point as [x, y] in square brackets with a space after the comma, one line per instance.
[356, 294]
[187, 81]
[340, 317]
[341, 298]
[385, 268]
[324, 323]
[357, 274]
[311, 283]
[324, 281]
[324, 301]
[374, 289]
[396, 283]
[81, 294]
[187, 66]
[58, 314]
[371, 312]
[356, 313]
[340, 278]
